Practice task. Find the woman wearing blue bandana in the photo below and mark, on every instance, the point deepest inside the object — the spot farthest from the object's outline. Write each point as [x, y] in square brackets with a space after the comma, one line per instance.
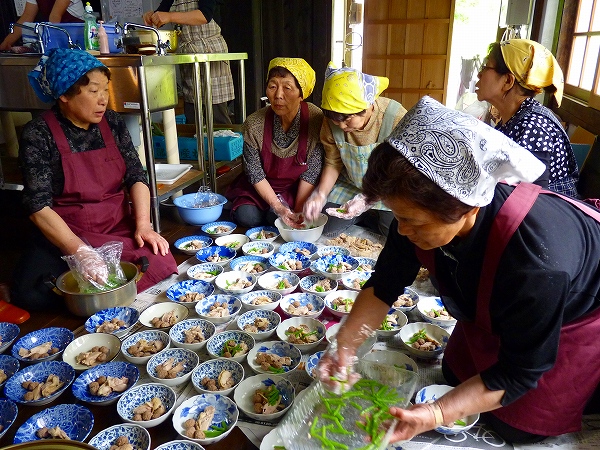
[80, 171]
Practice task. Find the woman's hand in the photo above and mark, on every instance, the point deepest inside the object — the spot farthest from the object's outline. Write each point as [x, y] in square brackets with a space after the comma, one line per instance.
[416, 420]
[336, 368]
[91, 265]
[146, 235]
[158, 19]
[289, 217]
[314, 205]
[351, 209]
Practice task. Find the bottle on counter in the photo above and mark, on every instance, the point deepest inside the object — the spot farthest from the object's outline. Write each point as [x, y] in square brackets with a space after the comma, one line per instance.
[90, 30]
[103, 39]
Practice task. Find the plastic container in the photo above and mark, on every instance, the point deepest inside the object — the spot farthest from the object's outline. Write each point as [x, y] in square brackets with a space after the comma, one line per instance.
[103, 39]
[90, 33]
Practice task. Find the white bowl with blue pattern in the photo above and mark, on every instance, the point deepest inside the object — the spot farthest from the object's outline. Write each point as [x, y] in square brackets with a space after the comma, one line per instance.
[354, 281]
[432, 393]
[9, 365]
[8, 334]
[205, 271]
[137, 436]
[315, 304]
[115, 369]
[148, 336]
[226, 281]
[349, 297]
[159, 309]
[138, 395]
[211, 228]
[233, 241]
[282, 261]
[401, 320]
[278, 348]
[125, 313]
[258, 248]
[60, 338]
[180, 445]
[225, 411]
[177, 333]
[39, 372]
[392, 358]
[312, 363]
[326, 264]
[273, 281]
[330, 250]
[86, 343]
[254, 234]
[8, 414]
[234, 305]
[75, 420]
[309, 285]
[249, 317]
[441, 336]
[250, 262]
[188, 358]
[429, 309]
[412, 295]
[224, 255]
[188, 244]
[176, 291]
[212, 369]
[314, 325]
[366, 265]
[299, 247]
[215, 344]
[244, 394]
[261, 299]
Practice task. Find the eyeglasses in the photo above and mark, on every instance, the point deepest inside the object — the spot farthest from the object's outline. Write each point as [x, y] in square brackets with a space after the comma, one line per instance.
[485, 67]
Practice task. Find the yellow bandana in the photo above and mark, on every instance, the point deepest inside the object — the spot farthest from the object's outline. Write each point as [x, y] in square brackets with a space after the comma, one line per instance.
[533, 65]
[348, 91]
[305, 75]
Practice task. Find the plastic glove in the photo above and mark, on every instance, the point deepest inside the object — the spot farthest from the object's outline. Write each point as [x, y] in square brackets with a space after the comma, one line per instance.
[336, 368]
[287, 216]
[91, 265]
[314, 204]
[352, 208]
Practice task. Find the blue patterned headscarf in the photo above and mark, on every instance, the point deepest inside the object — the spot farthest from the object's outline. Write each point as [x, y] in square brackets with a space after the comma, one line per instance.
[58, 70]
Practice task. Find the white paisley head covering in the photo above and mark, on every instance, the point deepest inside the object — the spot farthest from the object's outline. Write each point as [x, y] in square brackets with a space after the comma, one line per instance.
[460, 153]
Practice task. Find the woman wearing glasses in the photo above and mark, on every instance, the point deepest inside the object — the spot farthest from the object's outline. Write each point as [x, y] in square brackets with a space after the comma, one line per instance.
[359, 119]
[514, 72]
[282, 153]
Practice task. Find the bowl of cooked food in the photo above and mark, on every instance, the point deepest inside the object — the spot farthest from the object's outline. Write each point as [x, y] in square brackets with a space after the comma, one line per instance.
[259, 323]
[162, 316]
[215, 254]
[8, 334]
[235, 282]
[290, 262]
[217, 376]
[274, 357]
[265, 233]
[173, 366]
[219, 308]
[303, 332]
[265, 397]
[199, 208]
[262, 299]
[340, 302]
[121, 435]
[282, 282]
[39, 384]
[318, 285]
[430, 394]
[391, 324]
[231, 344]
[307, 249]
[189, 292]
[90, 350]
[424, 339]
[191, 244]
[312, 363]
[232, 241]
[311, 232]
[217, 229]
[330, 250]
[105, 383]
[141, 346]
[180, 444]
[393, 358]
[118, 321]
[147, 405]
[8, 367]
[366, 265]
[433, 310]
[258, 248]
[334, 266]
[191, 333]
[355, 280]
[406, 301]
[8, 414]
[205, 271]
[302, 305]
[46, 344]
[256, 265]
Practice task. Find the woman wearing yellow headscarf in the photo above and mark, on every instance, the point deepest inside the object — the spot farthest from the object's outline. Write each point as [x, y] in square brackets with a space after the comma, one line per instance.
[514, 72]
[282, 156]
[358, 119]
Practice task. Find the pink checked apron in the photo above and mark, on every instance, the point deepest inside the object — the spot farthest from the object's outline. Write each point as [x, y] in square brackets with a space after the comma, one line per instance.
[45, 8]
[281, 173]
[556, 405]
[93, 201]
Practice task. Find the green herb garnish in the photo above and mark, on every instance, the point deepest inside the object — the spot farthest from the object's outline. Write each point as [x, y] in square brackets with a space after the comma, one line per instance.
[320, 289]
[276, 369]
[341, 210]
[281, 284]
[232, 244]
[421, 334]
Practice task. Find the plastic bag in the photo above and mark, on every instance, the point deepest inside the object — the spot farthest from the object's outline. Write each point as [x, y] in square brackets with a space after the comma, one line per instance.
[110, 252]
[205, 198]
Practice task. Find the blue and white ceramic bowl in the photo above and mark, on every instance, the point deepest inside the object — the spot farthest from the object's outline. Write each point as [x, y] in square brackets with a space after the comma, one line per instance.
[59, 337]
[115, 369]
[215, 344]
[245, 391]
[191, 244]
[9, 365]
[8, 334]
[176, 292]
[365, 264]
[224, 255]
[86, 343]
[340, 311]
[148, 336]
[216, 229]
[326, 265]
[159, 309]
[137, 436]
[301, 247]
[205, 271]
[291, 305]
[355, 280]
[187, 358]
[234, 304]
[250, 264]
[227, 282]
[312, 284]
[233, 241]
[330, 250]
[408, 302]
[400, 319]
[269, 234]
[279, 348]
[432, 393]
[8, 414]
[213, 368]
[432, 331]
[138, 395]
[75, 420]
[262, 299]
[288, 262]
[180, 445]
[429, 309]
[225, 411]
[258, 248]
[314, 325]
[39, 372]
[311, 364]
[125, 313]
[177, 333]
[273, 281]
[249, 317]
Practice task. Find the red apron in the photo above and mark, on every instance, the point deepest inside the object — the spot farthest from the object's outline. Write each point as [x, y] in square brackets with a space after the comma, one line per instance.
[45, 8]
[281, 173]
[556, 405]
[94, 205]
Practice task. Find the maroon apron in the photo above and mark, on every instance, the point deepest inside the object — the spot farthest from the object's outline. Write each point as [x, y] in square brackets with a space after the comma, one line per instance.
[94, 205]
[281, 173]
[556, 405]
[45, 8]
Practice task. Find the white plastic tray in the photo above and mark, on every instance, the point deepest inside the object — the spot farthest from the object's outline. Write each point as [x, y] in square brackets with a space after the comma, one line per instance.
[170, 173]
